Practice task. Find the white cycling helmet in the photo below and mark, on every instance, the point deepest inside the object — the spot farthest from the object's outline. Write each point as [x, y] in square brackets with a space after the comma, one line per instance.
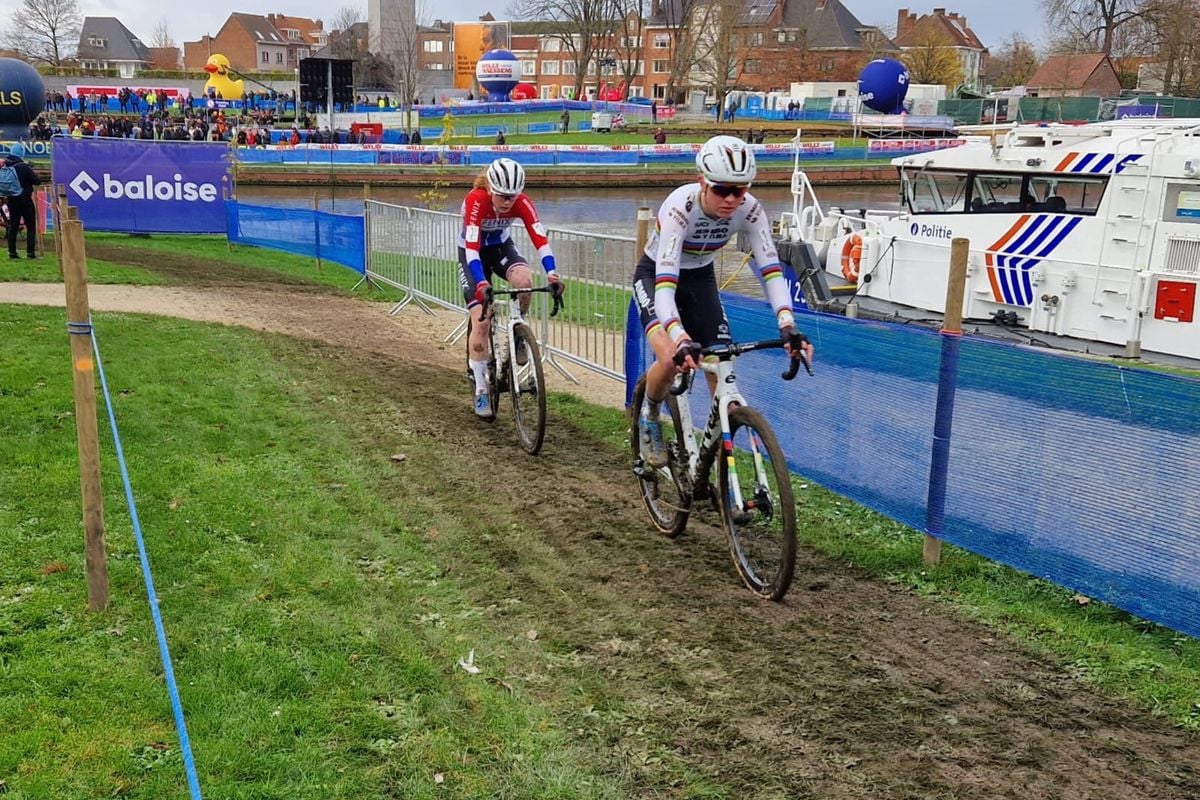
[726, 159]
[505, 176]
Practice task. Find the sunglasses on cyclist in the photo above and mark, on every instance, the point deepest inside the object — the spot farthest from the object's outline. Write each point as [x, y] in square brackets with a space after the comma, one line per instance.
[724, 190]
[507, 198]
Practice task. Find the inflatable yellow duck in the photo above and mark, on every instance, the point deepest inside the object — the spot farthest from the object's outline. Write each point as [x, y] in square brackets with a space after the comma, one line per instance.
[217, 68]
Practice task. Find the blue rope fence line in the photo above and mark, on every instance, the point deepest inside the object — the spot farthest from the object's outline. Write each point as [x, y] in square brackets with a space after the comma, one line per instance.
[185, 746]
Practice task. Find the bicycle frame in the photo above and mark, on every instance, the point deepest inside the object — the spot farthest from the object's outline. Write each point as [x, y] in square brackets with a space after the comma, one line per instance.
[702, 456]
[514, 318]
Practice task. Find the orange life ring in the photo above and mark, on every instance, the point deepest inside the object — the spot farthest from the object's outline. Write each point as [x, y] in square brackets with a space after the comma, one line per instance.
[852, 251]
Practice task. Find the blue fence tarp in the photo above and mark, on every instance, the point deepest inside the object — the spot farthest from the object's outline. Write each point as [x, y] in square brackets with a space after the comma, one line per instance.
[1064, 468]
[532, 155]
[333, 237]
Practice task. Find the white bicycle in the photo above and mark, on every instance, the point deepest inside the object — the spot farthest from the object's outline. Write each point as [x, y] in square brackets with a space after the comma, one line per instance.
[513, 371]
[754, 488]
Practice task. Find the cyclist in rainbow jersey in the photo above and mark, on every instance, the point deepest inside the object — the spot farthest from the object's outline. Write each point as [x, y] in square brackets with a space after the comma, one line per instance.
[675, 284]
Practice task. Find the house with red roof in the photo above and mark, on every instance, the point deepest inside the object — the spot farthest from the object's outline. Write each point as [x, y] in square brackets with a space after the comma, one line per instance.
[1075, 75]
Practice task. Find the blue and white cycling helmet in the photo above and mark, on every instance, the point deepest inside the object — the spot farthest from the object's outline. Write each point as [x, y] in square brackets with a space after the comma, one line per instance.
[505, 176]
[726, 159]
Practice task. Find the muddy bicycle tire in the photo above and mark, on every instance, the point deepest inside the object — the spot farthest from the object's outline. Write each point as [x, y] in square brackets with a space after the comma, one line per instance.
[527, 385]
[663, 493]
[762, 539]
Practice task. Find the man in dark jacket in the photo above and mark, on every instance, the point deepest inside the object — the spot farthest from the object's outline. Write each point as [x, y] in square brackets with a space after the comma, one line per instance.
[22, 207]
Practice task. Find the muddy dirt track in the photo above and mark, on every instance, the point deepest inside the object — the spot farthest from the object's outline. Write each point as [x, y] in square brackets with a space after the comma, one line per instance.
[849, 689]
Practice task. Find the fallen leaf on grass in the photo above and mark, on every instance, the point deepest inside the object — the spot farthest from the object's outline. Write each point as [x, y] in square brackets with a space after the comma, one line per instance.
[53, 567]
[439, 778]
[468, 663]
[398, 457]
[531, 635]
[1081, 600]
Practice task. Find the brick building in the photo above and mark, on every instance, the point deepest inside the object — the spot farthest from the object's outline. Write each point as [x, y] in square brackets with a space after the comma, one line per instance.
[950, 30]
[254, 43]
[776, 42]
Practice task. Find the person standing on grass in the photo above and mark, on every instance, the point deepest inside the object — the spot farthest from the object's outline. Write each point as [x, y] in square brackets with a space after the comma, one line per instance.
[21, 206]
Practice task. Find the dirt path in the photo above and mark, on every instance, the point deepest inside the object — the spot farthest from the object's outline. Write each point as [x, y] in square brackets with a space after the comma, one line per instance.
[849, 689]
[344, 321]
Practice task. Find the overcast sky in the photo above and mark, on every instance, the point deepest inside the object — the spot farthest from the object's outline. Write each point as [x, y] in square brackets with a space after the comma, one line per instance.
[992, 22]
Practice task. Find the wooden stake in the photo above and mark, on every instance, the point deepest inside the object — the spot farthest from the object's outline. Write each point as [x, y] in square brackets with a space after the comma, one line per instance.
[960, 249]
[83, 369]
[643, 230]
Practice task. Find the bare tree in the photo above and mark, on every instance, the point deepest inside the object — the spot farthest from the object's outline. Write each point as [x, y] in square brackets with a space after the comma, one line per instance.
[629, 50]
[686, 49]
[1173, 27]
[345, 17]
[720, 61]
[164, 52]
[1089, 25]
[1013, 63]
[581, 26]
[930, 59]
[405, 62]
[619, 51]
[45, 30]
[161, 35]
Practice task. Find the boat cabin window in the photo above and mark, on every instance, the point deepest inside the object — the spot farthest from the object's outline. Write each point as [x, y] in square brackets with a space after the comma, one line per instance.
[997, 194]
[1071, 195]
[928, 191]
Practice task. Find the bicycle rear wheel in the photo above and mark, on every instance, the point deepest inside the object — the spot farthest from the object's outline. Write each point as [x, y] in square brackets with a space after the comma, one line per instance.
[762, 532]
[666, 499]
[527, 384]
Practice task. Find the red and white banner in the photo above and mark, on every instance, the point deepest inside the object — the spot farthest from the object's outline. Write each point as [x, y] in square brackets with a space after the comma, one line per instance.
[111, 91]
[910, 145]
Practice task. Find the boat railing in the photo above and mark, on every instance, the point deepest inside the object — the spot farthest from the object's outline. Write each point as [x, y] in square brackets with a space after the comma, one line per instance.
[806, 213]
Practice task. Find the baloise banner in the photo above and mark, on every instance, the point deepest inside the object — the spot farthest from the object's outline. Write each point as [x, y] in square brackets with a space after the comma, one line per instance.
[144, 186]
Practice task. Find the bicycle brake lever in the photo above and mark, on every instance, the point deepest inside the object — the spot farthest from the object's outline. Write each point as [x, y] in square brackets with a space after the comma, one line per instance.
[558, 304]
[794, 367]
[682, 384]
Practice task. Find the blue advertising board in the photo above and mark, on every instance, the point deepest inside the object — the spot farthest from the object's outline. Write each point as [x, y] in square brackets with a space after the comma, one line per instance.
[145, 186]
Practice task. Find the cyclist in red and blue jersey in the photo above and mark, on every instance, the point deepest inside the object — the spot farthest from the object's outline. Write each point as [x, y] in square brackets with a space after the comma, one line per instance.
[485, 249]
[675, 285]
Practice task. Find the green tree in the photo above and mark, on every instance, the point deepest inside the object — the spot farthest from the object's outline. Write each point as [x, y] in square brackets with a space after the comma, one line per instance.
[930, 59]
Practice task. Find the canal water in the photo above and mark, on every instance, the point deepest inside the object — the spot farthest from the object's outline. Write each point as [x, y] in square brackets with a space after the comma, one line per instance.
[590, 209]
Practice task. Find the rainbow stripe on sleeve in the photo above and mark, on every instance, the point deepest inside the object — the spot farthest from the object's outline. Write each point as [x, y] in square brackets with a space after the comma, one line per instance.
[771, 273]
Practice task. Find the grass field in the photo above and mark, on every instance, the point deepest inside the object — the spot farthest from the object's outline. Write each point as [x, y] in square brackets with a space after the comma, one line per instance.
[318, 595]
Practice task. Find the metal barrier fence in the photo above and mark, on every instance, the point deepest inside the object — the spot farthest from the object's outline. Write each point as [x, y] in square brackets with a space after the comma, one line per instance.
[416, 250]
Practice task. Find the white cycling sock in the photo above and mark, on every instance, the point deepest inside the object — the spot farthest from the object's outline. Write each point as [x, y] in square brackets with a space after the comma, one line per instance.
[479, 370]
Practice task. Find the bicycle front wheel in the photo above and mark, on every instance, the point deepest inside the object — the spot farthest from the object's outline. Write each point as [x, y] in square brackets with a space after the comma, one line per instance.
[527, 385]
[667, 500]
[758, 510]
